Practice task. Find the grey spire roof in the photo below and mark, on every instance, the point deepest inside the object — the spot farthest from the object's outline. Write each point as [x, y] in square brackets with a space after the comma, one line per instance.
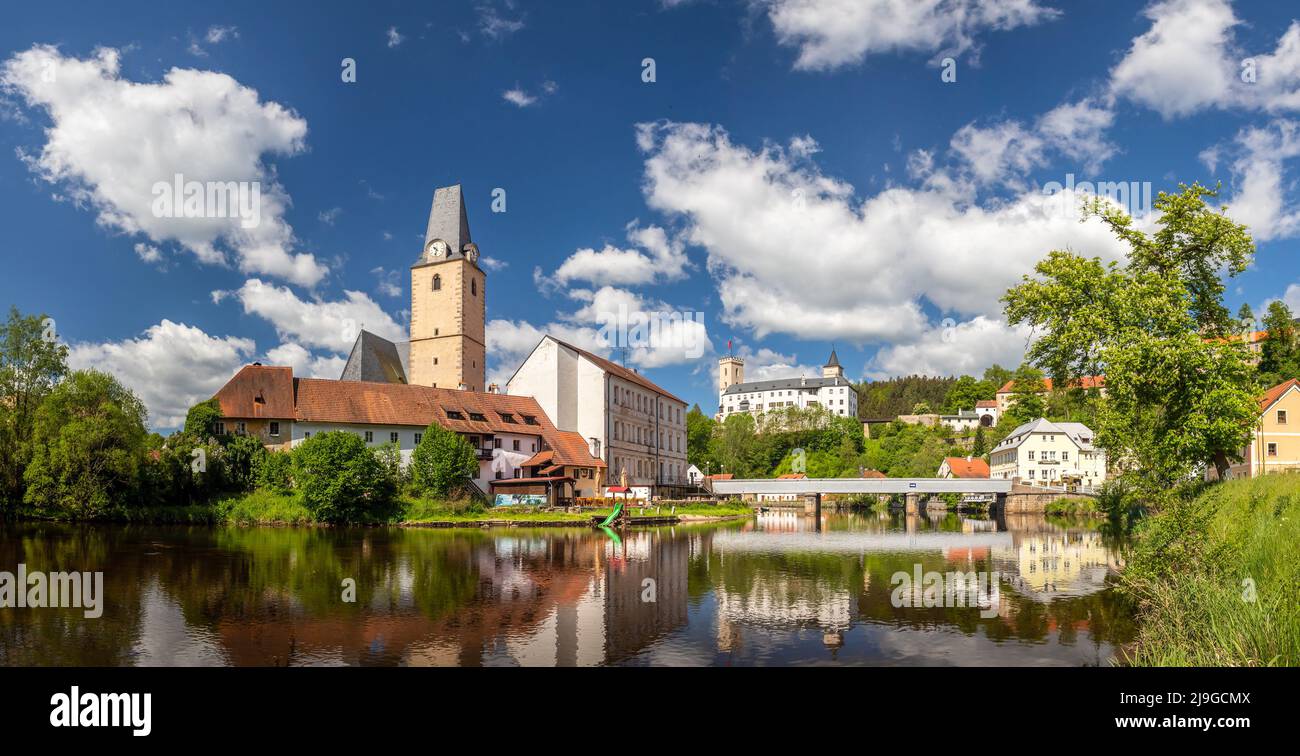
[447, 220]
[834, 361]
[376, 359]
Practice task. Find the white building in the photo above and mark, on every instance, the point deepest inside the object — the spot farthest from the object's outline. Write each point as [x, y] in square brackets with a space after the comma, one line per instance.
[635, 426]
[832, 390]
[1043, 453]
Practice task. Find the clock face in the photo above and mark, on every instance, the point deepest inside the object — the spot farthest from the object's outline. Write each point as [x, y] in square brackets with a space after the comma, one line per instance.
[437, 249]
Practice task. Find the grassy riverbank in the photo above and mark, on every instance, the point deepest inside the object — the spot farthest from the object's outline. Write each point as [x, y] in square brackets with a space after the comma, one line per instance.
[263, 507]
[1217, 578]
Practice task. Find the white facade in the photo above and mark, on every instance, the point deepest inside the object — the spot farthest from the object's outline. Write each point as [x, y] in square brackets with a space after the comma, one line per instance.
[636, 429]
[835, 395]
[1044, 453]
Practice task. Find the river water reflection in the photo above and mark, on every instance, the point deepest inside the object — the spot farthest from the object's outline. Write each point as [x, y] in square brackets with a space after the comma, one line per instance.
[776, 590]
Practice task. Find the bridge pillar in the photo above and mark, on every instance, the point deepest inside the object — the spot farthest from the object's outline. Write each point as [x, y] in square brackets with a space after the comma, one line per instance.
[999, 503]
[913, 503]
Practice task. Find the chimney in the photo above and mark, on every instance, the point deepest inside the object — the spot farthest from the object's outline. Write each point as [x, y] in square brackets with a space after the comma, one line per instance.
[463, 387]
[494, 389]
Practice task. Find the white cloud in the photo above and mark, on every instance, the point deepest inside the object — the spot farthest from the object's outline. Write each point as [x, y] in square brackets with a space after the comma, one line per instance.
[171, 367]
[794, 252]
[304, 363]
[1260, 190]
[218, 34]
[833, 33]
[1006, 151]
[1189, 61]
[494, 25]
[518, 97]
[111, 140]
[663, 259]
[394, 38]
[328, 217]
[492, 264]
[317, 324]
[953, 349]
[148, 253]
[390, 281]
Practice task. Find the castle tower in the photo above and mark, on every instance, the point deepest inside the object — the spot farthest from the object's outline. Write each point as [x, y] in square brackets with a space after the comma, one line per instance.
[731, 370]
[832, 367]
[448, 301]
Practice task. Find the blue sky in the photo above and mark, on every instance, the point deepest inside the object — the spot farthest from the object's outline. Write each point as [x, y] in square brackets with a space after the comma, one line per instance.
[797, 172]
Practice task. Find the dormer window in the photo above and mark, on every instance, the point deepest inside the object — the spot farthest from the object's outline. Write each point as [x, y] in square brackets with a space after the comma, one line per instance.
[454, 415]
[477, 417]
[507, 417]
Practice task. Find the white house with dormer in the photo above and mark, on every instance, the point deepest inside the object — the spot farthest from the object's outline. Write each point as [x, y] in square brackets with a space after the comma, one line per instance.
[1044, 453]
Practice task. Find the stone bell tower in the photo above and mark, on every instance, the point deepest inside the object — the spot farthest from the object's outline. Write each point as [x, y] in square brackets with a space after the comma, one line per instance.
[448, 301]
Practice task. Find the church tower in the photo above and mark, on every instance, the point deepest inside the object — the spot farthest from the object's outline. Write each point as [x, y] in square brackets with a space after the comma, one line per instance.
[448, 301]
[832, 368]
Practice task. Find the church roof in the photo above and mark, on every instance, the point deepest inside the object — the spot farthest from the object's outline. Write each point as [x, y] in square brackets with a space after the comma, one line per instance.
[834, 361]
[448, 221]
[377, 360]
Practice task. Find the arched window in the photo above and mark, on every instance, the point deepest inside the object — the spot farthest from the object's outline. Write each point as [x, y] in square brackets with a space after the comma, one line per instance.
[437, 282]
[473, 287]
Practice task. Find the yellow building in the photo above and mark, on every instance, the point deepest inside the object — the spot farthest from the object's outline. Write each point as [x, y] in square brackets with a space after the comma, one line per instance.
[1275, 441]
[448, 302]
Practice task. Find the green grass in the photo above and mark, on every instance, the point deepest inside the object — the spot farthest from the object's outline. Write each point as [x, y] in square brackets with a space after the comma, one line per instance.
[1218, 578]
[262, 507]
[421, 510]
[1065, 506]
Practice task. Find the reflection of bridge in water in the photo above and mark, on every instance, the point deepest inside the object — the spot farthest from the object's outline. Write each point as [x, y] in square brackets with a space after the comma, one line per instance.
[856, 542]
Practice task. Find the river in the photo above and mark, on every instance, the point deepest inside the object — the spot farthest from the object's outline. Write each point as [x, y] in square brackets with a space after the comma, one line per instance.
[779, 589]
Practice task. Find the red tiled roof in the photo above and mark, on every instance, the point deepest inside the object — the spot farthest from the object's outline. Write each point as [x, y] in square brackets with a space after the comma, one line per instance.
[517, 481]
[365, 403]
[1086, 382]
[791, 476]
[620, 371]
[1275, 393]
[722, 476]
[258, 391]
[967, 468]
[873, 474]
[989, 403]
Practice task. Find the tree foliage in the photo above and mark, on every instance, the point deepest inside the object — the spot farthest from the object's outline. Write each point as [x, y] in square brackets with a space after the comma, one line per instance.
[1179, 392]
[31, 363]
[340, 479]
[442, 462]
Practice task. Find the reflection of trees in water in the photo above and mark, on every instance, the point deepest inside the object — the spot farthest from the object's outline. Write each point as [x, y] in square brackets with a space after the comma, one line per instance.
[45, 636]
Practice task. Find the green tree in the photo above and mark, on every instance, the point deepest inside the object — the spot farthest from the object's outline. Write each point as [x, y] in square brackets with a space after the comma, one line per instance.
[1179, 393]
[31, 363]
[979, 447]
[699, 437]
[1246, 318]
[443, 462]
[737, 448]
[340, 479]
[202, 419]
[1279, 355]
[1027, 401]
[965, 391]
[997, 376]
[88, 441]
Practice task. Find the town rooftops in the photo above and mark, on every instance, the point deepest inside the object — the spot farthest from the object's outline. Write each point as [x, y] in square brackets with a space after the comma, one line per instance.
[319, 400]
[803, 384]
[1080, 434]
[963, 467]
[1086, 382]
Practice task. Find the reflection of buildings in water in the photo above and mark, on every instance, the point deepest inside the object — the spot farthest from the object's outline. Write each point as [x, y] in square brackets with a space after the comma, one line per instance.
[972, 525]
[784, 521]
[647, 599]
[786, 602]
[1046, 565]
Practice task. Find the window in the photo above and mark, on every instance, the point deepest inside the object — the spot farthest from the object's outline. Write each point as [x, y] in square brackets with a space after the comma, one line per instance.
[496, 443]
[418, 436]
[275, 428]
[499, 475]
[507, 417]
[516, 444]
[530, 420]
[454, 415]
[1065, 456]
[1272, 448]
[393, 436]
[307, 434]
[473, 287]
[1281, 417]
[241, 428]
[221, 429]
[435, 360]
[437, 282]
[1031, 455]
[370, 436]
[477, 417]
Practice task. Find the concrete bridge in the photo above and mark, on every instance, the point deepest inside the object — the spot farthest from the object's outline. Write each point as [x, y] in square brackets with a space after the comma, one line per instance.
[912, 488]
